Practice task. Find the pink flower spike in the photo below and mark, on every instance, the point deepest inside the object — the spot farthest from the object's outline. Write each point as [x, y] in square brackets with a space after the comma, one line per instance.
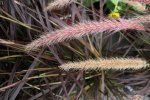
[82, 29]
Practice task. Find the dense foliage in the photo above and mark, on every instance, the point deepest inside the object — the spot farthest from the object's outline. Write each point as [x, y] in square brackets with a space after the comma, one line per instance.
[38, 36]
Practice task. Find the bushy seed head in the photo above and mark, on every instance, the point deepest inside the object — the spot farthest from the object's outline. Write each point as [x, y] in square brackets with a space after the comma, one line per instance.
[108, 63]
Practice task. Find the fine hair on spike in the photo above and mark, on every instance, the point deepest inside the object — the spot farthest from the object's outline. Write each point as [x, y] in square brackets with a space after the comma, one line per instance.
[106, 64]
[81, 29]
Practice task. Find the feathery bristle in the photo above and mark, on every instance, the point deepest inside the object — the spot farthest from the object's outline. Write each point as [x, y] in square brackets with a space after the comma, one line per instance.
[82, 29]
[109, 63]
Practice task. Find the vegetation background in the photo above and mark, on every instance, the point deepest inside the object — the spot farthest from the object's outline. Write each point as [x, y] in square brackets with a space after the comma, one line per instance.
[35, 74]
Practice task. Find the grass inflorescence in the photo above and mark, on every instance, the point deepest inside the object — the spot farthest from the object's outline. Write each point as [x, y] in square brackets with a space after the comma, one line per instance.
[106, 64]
